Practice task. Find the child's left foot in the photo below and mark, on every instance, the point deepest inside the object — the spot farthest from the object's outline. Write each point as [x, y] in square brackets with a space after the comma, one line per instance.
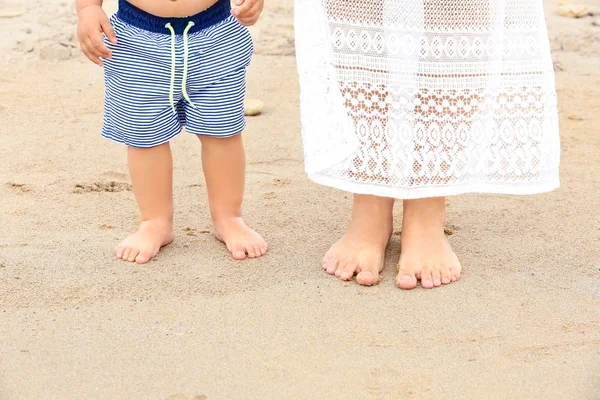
[240, 240]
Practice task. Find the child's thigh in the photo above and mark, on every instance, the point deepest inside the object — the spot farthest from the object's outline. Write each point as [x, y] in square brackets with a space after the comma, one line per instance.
[137, 80]
[219, 108]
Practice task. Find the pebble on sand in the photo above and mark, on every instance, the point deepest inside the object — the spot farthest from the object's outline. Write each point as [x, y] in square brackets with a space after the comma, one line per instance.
[573, 10]
[253, 107]
[25, 46]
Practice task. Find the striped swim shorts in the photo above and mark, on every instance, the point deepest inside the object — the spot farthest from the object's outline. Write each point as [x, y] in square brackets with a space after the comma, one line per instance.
[166, 73]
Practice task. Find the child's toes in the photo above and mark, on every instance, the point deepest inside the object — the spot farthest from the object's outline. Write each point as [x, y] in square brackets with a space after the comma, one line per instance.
[133, 254]
[238, 252]
[119, 251]
[143, 257]
[251, 251]
[126, 254]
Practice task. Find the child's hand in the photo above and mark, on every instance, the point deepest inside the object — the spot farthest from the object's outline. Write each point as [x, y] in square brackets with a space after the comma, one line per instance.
[247, 11]
[92, 23]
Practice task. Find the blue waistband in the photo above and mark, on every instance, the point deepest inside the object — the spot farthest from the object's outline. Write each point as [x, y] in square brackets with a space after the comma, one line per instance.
[141, 19]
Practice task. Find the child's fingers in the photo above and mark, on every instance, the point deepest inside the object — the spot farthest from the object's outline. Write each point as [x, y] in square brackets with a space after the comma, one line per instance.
[90, 53]
[90, 50]
[93, 49]
[251, 17]
[109, 31]
[248, 21]
[243, 8]
[99, 45]
[254, 11]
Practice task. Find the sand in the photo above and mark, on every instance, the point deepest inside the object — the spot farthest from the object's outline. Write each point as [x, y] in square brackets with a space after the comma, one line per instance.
[522, 323]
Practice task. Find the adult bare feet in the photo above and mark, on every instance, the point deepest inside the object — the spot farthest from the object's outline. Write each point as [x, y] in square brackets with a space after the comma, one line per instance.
[426, 254]
[362, 248]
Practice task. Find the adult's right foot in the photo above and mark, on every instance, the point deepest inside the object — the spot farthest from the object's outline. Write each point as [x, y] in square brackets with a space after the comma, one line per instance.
[361, 250]
[143, 245]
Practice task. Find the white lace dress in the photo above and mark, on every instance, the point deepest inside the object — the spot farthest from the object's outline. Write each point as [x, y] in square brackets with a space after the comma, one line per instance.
[424, 98]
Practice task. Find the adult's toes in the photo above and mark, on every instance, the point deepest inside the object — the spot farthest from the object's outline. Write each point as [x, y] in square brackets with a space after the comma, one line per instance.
[455, 271]
[367, 278]
[426, 278]
[446, 275]
[436, 277]
[349, 271]
[340, 268]
[326, 262]
[332, 265]
[406, 281]
[406, 278]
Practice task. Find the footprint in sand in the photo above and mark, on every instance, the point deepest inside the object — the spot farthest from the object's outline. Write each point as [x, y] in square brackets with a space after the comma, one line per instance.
[19, 187]
[194, 232]
[114, 175]
[449, 230]
[281, 181]
[110, 186]
[181, 396]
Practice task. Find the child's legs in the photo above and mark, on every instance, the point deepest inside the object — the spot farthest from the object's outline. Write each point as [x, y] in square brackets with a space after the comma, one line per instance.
[224, 164]
[151, 175]
[217, 91]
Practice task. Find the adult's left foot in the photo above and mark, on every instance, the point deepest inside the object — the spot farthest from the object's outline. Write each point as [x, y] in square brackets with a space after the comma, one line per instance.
[426, 254]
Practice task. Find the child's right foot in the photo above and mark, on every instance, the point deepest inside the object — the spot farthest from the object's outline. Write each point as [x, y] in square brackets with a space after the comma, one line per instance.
[143, 245]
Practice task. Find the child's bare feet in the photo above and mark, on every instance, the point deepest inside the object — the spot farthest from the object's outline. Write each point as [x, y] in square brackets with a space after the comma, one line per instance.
[426, 253]
[362, 248]
[240, 240]
[143, 245]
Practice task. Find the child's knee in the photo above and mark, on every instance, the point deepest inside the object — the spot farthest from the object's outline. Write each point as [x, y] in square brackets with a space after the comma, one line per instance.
[207, 140]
